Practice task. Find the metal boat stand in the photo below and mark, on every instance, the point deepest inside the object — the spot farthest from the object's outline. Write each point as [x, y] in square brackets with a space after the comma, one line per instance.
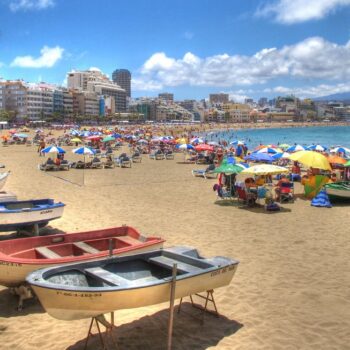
[208, 298]
[110, 326]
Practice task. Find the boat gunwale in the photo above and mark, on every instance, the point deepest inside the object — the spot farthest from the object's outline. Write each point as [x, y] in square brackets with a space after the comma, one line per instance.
[28, 210]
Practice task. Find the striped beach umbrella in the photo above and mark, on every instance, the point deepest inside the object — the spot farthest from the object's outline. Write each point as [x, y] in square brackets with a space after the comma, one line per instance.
[267, 150]
[295, 148]
[185, 146]
[340, 150]
[53, 149]
[83, 150]
[319, 148]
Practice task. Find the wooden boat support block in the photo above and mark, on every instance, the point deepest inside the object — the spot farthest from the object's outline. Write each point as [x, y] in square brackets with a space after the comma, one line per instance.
[47, 253]
[86, 247]
[169, 263]
[106, 276]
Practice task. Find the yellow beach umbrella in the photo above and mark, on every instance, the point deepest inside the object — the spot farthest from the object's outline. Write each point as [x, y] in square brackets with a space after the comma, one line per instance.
[181, 141]
[76, 140]
[311, 159]
[265, 169]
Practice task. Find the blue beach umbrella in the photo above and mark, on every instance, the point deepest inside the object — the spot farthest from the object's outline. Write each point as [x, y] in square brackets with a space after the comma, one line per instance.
[22, 136]
[266, 150]
[340, 150]
[281, 155]
[316, 148]
[295, 148]
[83, 150]
[237, 143]
[53, 149]
[184, 146]
[260, 157]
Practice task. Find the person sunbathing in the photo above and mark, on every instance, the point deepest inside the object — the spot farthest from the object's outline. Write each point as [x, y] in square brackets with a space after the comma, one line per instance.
[279, 186]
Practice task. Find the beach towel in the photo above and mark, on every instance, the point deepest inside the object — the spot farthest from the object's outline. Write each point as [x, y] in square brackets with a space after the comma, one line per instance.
[321, 200]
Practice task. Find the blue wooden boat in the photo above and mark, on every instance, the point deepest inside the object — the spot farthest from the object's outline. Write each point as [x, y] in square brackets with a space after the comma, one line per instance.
[17, 215]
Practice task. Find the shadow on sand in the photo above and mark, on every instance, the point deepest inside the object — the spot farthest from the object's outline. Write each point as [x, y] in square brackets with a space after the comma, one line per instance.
[150, 332]
[44, 231]
[9, 303]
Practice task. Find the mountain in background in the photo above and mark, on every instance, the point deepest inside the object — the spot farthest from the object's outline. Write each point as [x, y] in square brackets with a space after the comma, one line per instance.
[345, 96]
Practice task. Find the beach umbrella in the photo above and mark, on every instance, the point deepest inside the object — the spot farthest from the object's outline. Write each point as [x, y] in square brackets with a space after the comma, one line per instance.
[213, 143]
[266, 150]
[295, 148]
[282, 155]
[336, 160]
[284, 145]
[12, 131]
[259, 157]
[185, 146]
[237, 143]
[108, 139]
[75, 139]
[319, 148]
[311, 159]
[38, 131]
[94, 137]
[265, 169]
[204, 147]
[182, 140]
[117, 136]
[228, 168]
[197, 140]
[340, 150]
[143, 141]
[347, 163]
[53, 149]
[83, 150]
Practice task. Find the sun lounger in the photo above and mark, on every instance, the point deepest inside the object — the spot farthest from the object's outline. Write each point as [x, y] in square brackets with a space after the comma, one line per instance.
[109, 164]
[136, 157]
[48, 167]
[123, 161]
[169, 155]
[65, 165]
[206, 173]
[96, 164]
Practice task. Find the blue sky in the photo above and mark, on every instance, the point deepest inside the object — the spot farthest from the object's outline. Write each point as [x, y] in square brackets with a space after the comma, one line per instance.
[191, 48]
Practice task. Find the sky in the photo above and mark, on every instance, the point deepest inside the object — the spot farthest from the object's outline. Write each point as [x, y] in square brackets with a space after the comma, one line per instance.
[246, 48]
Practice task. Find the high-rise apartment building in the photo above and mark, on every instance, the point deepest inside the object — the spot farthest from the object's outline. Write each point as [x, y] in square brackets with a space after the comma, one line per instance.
[13, 97]
[122, 77]
[94, 81]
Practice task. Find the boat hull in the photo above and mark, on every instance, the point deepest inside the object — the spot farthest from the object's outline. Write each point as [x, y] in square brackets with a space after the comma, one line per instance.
[3, 179]
[14, 273]
[14, 221]
[74, 305]
[338, 192]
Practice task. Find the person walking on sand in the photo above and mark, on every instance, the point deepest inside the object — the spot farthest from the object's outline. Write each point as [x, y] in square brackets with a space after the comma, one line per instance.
[41, 147]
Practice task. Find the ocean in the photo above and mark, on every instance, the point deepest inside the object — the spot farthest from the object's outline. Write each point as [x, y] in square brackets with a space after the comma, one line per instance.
[328, 136]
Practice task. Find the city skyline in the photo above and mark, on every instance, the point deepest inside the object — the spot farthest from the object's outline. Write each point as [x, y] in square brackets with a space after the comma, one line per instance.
[190, 49]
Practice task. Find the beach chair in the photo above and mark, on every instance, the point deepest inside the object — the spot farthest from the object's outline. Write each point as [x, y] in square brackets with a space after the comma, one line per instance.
[245, 196]
[96, 164]
[136, 157]
[48, 166]
[169, 155]
[201, 159]
[123, 161]
[222, 193]
[286, 192]
[65, 165]
[109, 164]
[206, 173]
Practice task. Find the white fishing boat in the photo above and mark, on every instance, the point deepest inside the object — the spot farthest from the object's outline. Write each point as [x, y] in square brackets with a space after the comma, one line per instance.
[89, 289]
[15, 215]
[3, 179]
[338, 190]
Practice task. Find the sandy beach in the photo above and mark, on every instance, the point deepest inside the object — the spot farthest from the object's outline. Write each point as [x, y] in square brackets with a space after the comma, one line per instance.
[291, 290]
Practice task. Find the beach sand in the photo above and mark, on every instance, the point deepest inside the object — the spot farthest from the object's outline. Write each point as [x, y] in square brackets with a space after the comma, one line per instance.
[291, 289]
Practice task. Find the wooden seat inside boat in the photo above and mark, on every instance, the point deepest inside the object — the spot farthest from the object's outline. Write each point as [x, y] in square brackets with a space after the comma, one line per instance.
[169, 263]
[47, 253]
[128, 240]
[86, 247]
[106, 276]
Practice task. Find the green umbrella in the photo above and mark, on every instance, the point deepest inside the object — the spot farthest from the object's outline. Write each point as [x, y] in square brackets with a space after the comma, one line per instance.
[228, 168]
[108, 139]
[284, 145]
[347, 163]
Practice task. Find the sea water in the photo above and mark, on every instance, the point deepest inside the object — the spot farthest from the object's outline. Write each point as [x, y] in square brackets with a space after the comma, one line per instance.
[329, 136]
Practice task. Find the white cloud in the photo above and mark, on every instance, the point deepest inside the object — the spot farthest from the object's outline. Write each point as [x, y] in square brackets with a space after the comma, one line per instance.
[296, 11]
[25, 5]
[49, 57]
[310, 91]
[312, 58]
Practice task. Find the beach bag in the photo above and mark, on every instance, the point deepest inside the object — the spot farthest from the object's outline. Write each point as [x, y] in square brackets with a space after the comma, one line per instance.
[273, 207]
